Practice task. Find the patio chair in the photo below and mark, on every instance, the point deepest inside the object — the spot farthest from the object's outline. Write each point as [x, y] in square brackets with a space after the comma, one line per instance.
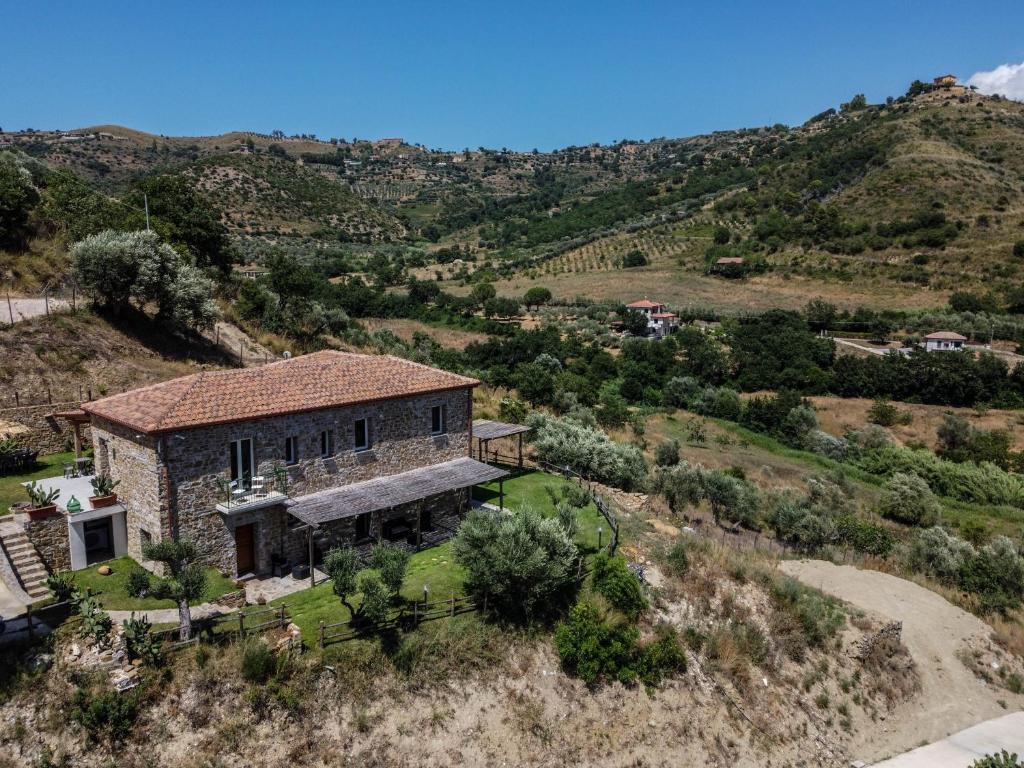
[257, 486]
[70, 470]
[237, 490]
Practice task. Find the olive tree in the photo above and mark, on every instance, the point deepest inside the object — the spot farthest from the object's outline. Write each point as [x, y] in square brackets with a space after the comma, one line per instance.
[907, 499]
[186, 579]
[523, 564]
[118, 268]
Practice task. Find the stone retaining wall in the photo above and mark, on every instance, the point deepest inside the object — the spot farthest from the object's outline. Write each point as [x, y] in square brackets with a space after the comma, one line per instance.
[45, 433]
[49, 536]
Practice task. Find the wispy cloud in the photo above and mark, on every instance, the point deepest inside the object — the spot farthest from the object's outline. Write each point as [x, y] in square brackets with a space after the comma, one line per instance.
[1006, 80]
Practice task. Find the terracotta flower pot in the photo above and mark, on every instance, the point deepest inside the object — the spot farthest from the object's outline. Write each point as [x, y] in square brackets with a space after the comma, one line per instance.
[98, 502]
[41, 513]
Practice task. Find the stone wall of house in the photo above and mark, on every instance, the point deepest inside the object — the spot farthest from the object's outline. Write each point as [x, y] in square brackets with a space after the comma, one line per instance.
[45, 434]
[49, 535]
[196, 463]
[132, 459]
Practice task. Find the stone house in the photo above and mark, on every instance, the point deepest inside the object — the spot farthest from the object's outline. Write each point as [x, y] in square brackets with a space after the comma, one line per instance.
[267, 468]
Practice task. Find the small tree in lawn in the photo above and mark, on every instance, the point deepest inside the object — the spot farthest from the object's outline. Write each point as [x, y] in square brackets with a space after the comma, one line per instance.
[187, 579]
[391, 563]
[341, 565]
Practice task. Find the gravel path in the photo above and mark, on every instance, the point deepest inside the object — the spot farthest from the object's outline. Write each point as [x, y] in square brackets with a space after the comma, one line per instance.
[934, 631]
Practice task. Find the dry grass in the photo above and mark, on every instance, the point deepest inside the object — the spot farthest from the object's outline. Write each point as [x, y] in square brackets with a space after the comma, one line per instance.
[836, 414]
[452, 338]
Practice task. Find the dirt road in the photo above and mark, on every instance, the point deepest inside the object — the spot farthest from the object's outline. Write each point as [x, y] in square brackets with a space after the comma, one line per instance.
[934, 631]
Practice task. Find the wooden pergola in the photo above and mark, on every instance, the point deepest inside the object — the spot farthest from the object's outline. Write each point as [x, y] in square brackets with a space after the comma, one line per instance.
[384, 493]
[77, 418]
[485, 430]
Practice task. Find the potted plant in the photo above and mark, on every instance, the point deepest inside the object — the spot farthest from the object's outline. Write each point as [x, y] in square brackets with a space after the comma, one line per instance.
[42, 500]
[103, 487]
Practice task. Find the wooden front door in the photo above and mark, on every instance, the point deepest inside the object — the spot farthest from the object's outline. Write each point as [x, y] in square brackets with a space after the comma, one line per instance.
[245, 547]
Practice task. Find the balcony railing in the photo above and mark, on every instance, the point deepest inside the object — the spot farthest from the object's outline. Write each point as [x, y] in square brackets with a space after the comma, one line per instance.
[253, 494]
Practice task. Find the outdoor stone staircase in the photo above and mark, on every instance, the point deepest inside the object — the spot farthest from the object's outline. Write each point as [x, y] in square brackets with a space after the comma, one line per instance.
[28, 568]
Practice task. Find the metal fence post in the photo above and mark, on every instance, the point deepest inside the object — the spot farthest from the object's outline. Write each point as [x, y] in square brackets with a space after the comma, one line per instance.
[241, 623]
[320, 634]
[453, 604]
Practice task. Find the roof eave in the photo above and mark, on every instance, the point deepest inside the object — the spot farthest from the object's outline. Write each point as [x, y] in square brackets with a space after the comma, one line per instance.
[158, 430]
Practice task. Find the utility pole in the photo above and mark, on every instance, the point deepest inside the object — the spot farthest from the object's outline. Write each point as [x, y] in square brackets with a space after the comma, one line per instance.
[145, 200]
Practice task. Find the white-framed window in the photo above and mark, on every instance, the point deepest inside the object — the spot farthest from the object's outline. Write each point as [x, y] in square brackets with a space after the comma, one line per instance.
[291, 450]
[438, 420]
[327, 443]
[243, 461]
[361, 429]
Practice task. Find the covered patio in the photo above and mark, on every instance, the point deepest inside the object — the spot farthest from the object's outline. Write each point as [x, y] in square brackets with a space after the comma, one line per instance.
[485, 430]
[406, 495]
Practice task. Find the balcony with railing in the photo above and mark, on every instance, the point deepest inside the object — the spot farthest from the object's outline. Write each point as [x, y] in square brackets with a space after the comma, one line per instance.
[250, 493]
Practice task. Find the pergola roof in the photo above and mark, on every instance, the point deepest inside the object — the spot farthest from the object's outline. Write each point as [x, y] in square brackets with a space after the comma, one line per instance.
[484, 429]
[392, 491]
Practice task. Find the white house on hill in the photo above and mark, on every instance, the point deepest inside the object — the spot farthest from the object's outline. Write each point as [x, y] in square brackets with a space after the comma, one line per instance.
[944, 341]
[660, 322]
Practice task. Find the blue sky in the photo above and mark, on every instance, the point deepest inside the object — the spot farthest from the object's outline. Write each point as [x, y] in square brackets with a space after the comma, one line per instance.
[452, 75]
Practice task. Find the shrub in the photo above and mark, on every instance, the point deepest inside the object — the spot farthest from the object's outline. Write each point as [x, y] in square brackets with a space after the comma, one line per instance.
[719, 402]
[865, 536]
[524, 564]
[661, 657]
[939, 554]
[676, 559]
[512, 410]
[679, 389]
[590, 452]
[62, 585]
[596, 647]
[373, 608]
[1003, 759]
[139, 643]
[996, 574]
[137, 583]
[634, 259]
[885, 414]
[667, 454]
[1018, 249]
[107, 717]
[824, 444]
[613, 580]
[258, 662]
[818, 616]
[392, 563]
[341, 566]
[907, 499]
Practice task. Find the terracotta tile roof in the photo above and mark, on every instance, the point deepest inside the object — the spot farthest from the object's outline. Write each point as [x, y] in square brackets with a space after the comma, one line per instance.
[730, 260]
[312, 382]
[663, 315]
[644, 304]
[946, 336]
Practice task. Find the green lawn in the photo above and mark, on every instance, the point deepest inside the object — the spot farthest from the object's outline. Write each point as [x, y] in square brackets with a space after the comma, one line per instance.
[49, 466]
[110, 590]
[434, 567]
[530, 488]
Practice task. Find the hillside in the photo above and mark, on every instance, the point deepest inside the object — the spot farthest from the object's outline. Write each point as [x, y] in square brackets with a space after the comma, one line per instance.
[272, 198]
[59, 355]
[892, 204]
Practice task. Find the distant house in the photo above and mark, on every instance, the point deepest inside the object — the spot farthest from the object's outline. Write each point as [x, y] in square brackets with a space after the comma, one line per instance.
[728, 266]
[944, 341]
[252, 271]
[660, 322]
[944, 81]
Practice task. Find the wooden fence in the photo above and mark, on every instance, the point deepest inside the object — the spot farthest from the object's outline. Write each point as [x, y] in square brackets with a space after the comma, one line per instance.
[605, 507]
[231, 625]
[404, 619]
